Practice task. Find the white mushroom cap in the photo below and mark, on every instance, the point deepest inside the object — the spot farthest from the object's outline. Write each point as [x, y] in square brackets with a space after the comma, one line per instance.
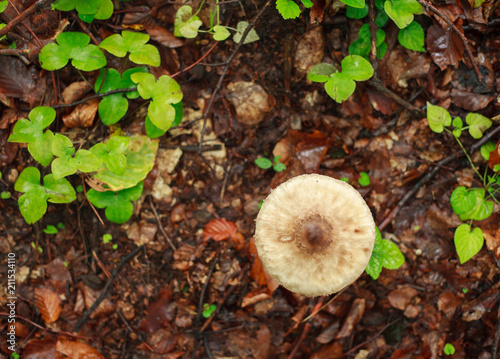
[315, 234]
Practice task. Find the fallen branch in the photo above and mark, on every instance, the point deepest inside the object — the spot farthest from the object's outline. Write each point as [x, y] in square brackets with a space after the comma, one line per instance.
[428, 6]
[379, 86]
[111, 279]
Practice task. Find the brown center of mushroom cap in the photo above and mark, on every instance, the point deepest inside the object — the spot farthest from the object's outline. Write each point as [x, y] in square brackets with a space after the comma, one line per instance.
[313, 234]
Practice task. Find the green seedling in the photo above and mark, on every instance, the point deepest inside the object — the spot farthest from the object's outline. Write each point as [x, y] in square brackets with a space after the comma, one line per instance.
[75, 46]
[266, 163]
[115, 246]
[65, 164]
[449, 349]
[88, 10]
[186, 24]
[385, 254]
[364, 179]
[37, 248]
[290, 9]
[60, 225]
[33, 203]
[164, 93]
[465, 290]
[341, 85]
[412, 37]
[362, 45]
[107, 238]
[31, 132]
[113, 107]
[208, 310]
[118, 205]
[112, 154]
[345, 179]
[5, 195]
[402, 11]
[134, 43]
[471, 204]
[50, 229]
[79, 188]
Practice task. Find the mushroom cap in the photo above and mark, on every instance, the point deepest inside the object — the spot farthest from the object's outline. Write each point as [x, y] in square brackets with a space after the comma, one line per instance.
[315, 234]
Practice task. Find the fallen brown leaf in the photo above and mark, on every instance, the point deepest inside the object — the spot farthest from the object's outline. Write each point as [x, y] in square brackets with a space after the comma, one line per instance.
[48, 304]
[83, 115]
[77, 350]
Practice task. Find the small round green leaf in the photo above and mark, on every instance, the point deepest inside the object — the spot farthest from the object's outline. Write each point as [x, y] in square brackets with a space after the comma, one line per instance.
[321, 72]
[487, 148]
[263, 163]
[462, 201]
[340, 87]
[468, 243]
[356, 68]
[220, 33]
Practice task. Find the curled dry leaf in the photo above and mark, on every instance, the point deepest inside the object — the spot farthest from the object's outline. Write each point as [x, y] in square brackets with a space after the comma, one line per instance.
[77, 350]
[222, 229]
[444, 45]
[75, 91]
[48, 304]
[83, 115]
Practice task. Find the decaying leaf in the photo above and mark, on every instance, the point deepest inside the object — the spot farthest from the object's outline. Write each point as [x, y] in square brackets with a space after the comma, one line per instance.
[83, 115]
[48, 303]
[77, 350]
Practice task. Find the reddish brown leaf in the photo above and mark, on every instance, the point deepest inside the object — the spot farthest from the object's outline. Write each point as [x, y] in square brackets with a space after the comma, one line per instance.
[219, 230]
[400, 298]
[444, 45]
[355, 314]
[48, 304]
[494, 157]
[40, 349]
[163, 36]
[258, 272]
[77, 350]
[160, 313]
[75, 91]
[470, 101]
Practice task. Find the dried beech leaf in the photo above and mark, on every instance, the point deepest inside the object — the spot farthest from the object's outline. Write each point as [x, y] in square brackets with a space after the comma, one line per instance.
[83, 115]
[77, 350]
[219, 230]
[75, 91]
[48, 304]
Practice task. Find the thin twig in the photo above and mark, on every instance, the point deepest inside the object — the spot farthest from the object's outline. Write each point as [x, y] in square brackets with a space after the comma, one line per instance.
[372, 338]
[373, 36]
[16, 52]
[98, 301]
[226, 68]
[379, 86]
[455, 29]
[99, 95]
[162, 230]
[36, 6]
[196, 62]
[200, 304]
[91, 205]
[86, 30]
[307, 326]
[430, 175]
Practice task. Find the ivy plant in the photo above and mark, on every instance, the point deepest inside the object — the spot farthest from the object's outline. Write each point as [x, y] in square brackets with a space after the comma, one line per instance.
[473, 204]
[341, 85]
[386, 254]
[65, 164]
[33, 203]
[113, 107]
[72, 46]
[31, 132]
[134, 43]
[164, 93]
[88, 10]
[118, 204]
[362, 45]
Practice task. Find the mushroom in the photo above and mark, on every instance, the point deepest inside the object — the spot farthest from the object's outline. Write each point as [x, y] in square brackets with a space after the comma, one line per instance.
[315, 234]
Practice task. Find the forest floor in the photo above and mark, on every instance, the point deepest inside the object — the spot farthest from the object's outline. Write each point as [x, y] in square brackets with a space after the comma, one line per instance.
[181, 278]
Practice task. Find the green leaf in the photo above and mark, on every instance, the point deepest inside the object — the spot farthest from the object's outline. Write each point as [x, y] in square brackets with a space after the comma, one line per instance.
[402, 11]
[321, 72]
[240, 29]
[87, 7]
[412, 37]
[165, 92]
[468, 243]
[356, 13]
[106, 238]
[30, 130]
[65, 164]
[287, 8]
[33, 203]
[385, 254]
[355, 3]
[105, 10]
[449, 349]
[307, 3]
[134, 43]
[364, 179]
[381, 18]
[140, 159]
[263, 163]
[356, 68]
[86, 161]
[118, 205]
[486, 149]
[112, 154]
[279, 167]
[477, 124]
[362, 45]
[50, 229]
[437, 117]
[41, 148]
[462, 201]
[75, 46]
[220, 33]
[3, 5]
[340, 87]
[482, 208]
[185, 24]
[457, 123]
[154, 132]
[5, 195]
